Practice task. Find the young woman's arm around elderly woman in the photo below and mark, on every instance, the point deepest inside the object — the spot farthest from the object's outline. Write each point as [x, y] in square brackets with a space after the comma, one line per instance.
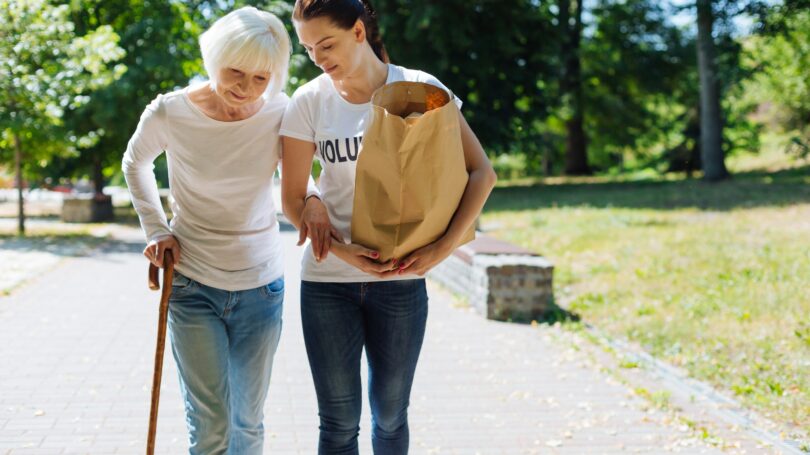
[222, 145]
[348, 300]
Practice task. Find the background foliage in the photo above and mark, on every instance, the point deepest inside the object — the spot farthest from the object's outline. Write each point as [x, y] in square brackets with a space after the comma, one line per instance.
[506, 59]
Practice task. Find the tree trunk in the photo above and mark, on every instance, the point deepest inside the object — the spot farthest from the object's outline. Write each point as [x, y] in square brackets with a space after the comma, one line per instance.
[546, 162]
[98, 174]
[19, 178]
[711, 127]
[576, 155]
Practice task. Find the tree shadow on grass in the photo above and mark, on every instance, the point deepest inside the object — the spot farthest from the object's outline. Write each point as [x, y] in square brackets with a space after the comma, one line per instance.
[69, 245]
[559, 314]
[122, 215]
[744, 190]
[119, 246]
[550, 316]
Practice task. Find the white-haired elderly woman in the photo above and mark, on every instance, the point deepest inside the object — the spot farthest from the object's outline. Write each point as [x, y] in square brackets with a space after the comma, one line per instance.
[222, 144]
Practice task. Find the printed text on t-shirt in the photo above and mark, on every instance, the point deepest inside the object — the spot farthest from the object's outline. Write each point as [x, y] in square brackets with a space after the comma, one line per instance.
[340, 150]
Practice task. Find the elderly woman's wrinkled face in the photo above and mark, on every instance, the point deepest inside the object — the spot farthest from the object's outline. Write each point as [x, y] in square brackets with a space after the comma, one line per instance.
[239, 88]
[336, 51]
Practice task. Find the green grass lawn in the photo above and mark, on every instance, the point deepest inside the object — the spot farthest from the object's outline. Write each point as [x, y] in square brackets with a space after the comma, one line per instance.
[710, 277]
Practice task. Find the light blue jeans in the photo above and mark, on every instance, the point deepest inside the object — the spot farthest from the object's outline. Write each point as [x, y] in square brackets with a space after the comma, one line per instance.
[223, 343]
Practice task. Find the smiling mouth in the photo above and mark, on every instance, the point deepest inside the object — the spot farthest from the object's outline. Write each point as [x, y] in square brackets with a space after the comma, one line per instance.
[237, 96]
[329, 70]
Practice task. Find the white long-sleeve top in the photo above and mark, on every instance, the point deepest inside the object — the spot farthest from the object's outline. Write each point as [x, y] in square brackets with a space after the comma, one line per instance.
[221, 182]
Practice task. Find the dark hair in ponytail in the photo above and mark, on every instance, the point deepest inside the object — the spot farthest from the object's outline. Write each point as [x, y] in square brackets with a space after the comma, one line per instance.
[344, 14]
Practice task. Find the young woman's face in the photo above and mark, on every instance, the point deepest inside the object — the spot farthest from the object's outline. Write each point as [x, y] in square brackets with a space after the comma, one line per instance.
[336, 51]
[239, 88]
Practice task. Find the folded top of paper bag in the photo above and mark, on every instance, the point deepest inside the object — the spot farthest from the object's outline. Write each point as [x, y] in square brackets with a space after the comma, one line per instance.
[404, 98]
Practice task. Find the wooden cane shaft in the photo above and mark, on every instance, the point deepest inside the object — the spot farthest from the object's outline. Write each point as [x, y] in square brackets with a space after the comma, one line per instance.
[163, 315]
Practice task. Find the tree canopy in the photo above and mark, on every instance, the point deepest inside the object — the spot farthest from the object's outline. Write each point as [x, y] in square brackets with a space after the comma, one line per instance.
[47, 69]
[616, 81]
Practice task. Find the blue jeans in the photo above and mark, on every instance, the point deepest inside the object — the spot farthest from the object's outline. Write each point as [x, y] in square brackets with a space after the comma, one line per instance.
[223, 343]
[388, 318]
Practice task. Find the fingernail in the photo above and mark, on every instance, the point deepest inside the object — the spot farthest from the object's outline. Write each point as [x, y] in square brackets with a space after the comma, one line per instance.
[395, 262]
[374, 254]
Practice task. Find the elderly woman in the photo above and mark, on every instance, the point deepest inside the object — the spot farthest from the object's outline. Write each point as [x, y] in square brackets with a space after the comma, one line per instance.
[222, 143]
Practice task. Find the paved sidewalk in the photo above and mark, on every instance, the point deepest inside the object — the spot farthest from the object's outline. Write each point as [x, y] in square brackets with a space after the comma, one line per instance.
[76, 352]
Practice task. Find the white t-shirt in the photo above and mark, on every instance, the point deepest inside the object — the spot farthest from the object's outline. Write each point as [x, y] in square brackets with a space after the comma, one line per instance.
[318, 114]
[221, 179]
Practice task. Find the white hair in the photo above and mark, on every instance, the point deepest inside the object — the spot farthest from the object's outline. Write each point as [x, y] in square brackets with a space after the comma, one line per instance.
[249, 40]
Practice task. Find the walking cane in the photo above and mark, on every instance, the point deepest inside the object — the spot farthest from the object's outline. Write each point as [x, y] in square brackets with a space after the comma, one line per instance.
[168, 272]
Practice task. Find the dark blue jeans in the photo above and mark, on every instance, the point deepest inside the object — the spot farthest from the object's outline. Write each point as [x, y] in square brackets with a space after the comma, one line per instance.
[339, 319]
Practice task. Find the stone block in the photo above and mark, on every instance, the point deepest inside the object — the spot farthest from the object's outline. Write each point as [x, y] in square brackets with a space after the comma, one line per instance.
[500, 280]
[87, 208]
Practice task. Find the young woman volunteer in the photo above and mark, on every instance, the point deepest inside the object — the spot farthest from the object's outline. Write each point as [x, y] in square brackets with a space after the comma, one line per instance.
[349, 300]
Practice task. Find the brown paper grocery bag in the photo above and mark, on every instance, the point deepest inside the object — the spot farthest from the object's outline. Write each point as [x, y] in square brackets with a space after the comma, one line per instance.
[411, 172]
